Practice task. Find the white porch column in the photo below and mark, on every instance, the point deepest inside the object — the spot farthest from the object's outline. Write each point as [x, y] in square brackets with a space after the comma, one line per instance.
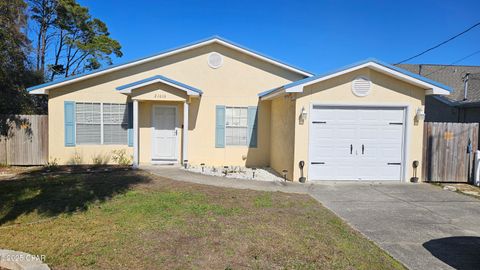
[185, 131]
[135, 134]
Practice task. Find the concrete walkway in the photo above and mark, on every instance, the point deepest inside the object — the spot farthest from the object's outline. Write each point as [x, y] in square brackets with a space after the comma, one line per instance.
[421, 225]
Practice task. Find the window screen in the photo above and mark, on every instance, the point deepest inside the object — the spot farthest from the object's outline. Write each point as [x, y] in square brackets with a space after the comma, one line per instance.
[88, 123]
[236, 125]
[115, 123]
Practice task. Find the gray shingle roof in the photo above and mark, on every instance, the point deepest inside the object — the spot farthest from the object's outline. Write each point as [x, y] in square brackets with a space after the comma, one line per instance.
[452, 76]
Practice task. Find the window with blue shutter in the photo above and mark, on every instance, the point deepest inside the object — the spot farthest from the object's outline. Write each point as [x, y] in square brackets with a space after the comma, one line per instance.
[252, 126]
[220, 126]
[236, 126]
[69, 120]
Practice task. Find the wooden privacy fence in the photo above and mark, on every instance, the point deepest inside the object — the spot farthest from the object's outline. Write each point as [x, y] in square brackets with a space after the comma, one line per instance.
[448, 151]
[23, 139]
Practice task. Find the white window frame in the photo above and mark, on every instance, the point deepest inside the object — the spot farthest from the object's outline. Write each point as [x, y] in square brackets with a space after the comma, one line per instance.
[101, 122]
[232, 126]
[76, 122]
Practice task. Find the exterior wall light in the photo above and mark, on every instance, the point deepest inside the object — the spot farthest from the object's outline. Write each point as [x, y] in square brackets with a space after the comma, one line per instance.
[303, 114]
[420, 116]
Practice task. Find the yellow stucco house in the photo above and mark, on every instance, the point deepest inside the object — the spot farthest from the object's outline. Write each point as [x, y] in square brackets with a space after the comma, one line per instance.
[218, 103]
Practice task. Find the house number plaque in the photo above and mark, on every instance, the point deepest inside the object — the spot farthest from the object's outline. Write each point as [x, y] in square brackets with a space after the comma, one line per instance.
[160, 96]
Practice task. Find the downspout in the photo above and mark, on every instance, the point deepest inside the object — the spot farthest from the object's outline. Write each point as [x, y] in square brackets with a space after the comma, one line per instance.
[465, 86]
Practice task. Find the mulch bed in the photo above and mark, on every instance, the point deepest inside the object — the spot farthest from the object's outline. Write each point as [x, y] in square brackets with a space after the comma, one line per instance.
[20, 172]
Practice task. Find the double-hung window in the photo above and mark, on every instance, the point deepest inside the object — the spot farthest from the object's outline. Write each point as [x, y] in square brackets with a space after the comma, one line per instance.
[89, 123]
[101, 123]
[236, 125]
[115, 123]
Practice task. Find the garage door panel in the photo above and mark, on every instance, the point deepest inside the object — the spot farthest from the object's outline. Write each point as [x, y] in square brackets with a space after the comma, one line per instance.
[376, 136]
[345, 172]
[390, 172]
[330, 171]
[393, 115]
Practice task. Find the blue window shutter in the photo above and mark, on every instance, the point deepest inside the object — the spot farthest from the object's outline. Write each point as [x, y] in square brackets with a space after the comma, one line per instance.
[69, 119]
[252, 126]
[220, 126]
[130, 123]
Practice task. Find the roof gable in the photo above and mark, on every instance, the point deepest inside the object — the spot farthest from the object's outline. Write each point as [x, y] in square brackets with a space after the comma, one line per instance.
[43, 88]
[127, 88]
[295, 87]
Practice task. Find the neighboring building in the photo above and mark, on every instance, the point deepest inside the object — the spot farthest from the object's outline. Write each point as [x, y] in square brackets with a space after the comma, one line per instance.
[463, 104]
[209, 103]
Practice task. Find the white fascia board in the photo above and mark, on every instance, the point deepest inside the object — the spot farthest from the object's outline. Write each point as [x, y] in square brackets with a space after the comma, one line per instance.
[266, 59]
[41, 91]
[430, 89]
[120, 67]
[295, 89]
[129, 89]
[437, 91]
[44, 90]
[274, 94]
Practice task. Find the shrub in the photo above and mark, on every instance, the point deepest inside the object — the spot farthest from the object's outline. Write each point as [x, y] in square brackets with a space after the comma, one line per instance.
[52, 164]
[121, 157]
[100, 159]
[76, 159]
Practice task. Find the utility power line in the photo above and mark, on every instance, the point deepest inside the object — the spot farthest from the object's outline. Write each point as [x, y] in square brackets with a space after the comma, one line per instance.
[440, 44]
[453, 63]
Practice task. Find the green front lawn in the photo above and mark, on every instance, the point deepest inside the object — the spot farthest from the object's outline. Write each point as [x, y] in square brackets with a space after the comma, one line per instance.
[132, 220]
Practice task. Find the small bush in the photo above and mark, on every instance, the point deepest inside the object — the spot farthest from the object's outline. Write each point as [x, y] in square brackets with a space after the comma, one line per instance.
[100, 159]
[76, 159]
[121, 157]
[51, 165]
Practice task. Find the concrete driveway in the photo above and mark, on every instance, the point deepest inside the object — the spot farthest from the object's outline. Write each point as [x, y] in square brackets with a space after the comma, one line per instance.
[421, 225]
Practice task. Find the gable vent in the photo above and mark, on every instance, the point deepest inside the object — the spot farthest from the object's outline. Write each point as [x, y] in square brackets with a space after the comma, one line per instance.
[361, 86]
[215, 60]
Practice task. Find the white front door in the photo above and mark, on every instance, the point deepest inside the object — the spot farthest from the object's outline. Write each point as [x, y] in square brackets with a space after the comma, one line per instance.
[356, 143]
[165, 134]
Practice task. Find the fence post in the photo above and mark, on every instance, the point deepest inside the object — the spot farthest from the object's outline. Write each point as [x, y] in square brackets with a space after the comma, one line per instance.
[476, 167]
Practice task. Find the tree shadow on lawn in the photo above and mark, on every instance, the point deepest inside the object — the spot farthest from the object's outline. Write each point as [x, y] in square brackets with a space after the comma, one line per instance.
[50, 196]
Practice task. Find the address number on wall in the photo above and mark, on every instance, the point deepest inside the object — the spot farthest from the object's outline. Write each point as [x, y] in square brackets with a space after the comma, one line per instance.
[160, 96]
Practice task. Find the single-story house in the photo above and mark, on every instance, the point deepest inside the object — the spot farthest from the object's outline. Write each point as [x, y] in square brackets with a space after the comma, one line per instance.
[463, 103]
[218, 103]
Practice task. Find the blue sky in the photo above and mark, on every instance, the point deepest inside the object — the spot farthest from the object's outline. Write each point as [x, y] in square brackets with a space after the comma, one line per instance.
[315, 35]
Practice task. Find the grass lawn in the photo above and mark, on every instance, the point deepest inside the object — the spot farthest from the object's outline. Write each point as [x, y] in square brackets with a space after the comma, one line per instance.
[134, 220]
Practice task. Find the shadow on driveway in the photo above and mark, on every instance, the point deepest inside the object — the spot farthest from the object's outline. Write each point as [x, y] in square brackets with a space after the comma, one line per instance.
[460, 252]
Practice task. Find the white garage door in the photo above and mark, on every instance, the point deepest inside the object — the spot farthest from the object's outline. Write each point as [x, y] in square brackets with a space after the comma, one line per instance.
[356, 143]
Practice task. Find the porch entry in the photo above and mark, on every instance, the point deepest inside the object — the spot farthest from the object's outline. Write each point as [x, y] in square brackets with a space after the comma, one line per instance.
[164, 134]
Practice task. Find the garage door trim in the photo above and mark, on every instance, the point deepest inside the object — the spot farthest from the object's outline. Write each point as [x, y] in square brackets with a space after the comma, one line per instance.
[405, 136]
